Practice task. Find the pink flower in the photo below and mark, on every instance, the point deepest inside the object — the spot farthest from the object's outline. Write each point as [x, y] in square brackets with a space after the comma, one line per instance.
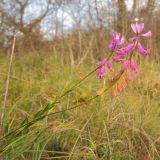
[129, 47]
[144, 35]
[124, 56]
[133, 66]
[121, 51]
[117, 59]
[124, 65]
[129, 75]
[132, 39]
[124, 50]
[101, 71]
[102, 62]
[137, 28]
[141, 50]
[147, 34]
[109, 66]
[117, 39]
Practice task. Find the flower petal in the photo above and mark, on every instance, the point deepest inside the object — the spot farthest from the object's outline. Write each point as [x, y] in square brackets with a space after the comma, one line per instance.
[115, 35]
[141, 50]
[116, 59]
[121, 41]
[109, 66]
[117, 39]
[129, 75]
[121, 51]
[129, 47]
[134, 27]
[112, 46]
[147, 34]
[132, 39]
[140, 27]
[146, 52]
[124, 65]
[133, 66]
[101, 72]
[102, 62]
[137, 27]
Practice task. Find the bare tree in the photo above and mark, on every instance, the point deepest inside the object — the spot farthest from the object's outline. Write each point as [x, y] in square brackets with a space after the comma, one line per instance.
[14, 15]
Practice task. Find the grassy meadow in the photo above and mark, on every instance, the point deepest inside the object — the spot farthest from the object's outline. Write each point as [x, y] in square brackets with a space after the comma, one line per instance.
[77, 127]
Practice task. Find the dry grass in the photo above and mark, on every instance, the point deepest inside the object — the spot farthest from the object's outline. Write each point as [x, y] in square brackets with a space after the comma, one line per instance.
[124, 128]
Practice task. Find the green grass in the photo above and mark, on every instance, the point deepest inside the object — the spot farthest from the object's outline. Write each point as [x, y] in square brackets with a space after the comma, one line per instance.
[126, 127]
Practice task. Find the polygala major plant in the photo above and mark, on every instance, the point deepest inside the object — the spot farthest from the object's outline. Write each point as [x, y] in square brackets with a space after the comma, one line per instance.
[124, 55]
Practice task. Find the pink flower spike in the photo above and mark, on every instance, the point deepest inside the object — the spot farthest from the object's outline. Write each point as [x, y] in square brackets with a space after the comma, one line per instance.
[147, 34]
[133, 66]
[124, 65]
[129, 47]
[109, 66]
[141, 50]
[116, 59]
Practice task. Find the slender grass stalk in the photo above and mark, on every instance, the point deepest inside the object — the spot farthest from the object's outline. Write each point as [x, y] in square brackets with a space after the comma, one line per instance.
[7, 81]
[40, 115]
